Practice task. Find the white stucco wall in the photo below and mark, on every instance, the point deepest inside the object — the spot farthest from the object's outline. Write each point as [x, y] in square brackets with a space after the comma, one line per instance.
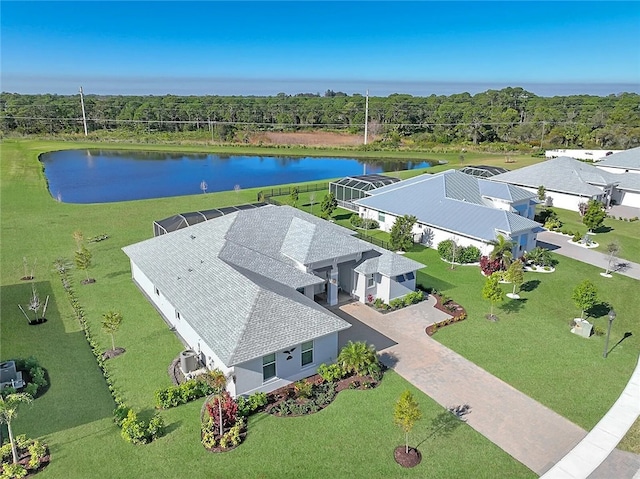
[436, 236]
[392, 289]
[249, 375]
[564, 201]
[630, 198]
[361, 290]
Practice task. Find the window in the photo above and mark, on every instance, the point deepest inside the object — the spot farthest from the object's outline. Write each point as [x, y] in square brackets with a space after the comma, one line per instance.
[410, 276]
[380, 217]
[268, 366]
[307, 353]
[157, 292]
[400, 278]
[178, 315]
[371, 282]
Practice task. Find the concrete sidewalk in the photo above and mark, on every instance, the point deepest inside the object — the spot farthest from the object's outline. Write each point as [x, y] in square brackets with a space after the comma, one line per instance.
[530, 432]
[560, 244]
[586, 457]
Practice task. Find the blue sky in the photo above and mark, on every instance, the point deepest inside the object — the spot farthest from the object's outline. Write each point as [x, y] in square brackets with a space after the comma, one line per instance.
[263, 48]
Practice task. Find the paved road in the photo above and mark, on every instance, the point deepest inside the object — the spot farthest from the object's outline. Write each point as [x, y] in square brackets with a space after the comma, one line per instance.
[559, 243]
[530, 432]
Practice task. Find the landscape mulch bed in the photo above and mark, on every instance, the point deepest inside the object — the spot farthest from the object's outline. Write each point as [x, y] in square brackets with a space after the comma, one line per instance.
[407, 459]
[277, 396]
[112, 353]
[24, 457]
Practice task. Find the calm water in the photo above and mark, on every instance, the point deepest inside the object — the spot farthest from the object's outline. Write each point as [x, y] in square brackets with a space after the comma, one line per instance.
[103, 176]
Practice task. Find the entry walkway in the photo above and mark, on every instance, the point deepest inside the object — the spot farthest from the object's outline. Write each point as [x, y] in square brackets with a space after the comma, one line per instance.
[530, 432]
[560, 244]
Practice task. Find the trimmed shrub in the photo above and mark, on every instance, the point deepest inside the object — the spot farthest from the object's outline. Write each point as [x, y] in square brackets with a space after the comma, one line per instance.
[330, 372]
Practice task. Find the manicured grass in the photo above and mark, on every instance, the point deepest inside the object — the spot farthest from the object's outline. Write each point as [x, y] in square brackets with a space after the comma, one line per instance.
[531, 347]
[625, 233]
[355, 436]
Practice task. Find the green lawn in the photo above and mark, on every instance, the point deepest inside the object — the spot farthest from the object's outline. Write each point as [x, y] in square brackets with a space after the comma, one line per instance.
[530, 347]
[355, 436]
[625, 233]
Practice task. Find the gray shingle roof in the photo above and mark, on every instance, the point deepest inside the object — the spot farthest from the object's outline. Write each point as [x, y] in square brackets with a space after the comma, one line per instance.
[628, 159]
[231, 280]
[386, 263]
[450, 201]
[562, 174]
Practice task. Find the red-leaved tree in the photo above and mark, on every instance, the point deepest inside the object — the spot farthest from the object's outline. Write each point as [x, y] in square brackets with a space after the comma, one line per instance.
[229, 411]
[489, 266]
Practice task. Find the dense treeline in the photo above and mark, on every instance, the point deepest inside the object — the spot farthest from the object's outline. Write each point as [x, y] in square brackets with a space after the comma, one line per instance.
[510, 115]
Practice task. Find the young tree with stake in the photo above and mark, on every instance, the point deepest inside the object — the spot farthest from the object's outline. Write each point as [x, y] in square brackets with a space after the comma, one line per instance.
[111, 322]
[406, 414]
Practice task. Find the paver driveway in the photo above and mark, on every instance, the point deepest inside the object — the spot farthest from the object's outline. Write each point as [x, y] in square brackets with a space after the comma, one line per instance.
[530, 432]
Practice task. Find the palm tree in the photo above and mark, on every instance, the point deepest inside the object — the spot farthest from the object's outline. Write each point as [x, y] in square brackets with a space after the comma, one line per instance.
[359, 358]
[8, 411]
[502, 248]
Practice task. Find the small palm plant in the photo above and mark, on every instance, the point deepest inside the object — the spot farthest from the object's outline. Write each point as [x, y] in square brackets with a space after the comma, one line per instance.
[358, 358]
[502, 251]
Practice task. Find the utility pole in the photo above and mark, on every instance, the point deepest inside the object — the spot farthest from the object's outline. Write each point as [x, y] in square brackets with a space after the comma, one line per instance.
[366, 118]
[84, 116]
[366, 127]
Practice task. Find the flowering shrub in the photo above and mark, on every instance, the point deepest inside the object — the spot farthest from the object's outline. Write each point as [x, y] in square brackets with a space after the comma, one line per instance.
[489, 266]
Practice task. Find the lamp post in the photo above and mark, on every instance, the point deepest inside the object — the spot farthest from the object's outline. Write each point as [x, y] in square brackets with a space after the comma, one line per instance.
[612, 316]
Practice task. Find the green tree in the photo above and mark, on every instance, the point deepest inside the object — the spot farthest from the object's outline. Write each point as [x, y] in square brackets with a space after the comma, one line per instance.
[585, 296]
[83, 260]
[328, 205]
[594, 216]
[294, 195]
[502, 251]
[406, 414]
[542, 193]
[111, 321]
[492, 291]
[515, 274]
[359, 358]
[8, 412]
[402, 232]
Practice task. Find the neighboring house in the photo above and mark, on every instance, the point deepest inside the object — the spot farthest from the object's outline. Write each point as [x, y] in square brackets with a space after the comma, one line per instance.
[567, 182]
[578, 154]
[243, 290]
[454, 205]
[626, 164]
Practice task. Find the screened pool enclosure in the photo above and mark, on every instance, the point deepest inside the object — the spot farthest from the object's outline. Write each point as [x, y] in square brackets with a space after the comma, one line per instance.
[352, 188]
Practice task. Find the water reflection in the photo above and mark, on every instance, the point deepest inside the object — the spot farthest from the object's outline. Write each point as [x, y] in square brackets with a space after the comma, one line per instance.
[103, 176]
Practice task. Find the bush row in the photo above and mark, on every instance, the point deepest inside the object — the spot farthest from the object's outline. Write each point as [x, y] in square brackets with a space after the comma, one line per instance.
[134, 430]
[397, 303]
[187, 391]
[463, 254]
[365, 223]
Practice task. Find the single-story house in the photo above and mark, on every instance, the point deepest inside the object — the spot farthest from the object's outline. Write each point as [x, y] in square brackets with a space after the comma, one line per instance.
[625, 164]
[243, 290]
[567, 182]
[454, 205]
[580, 154]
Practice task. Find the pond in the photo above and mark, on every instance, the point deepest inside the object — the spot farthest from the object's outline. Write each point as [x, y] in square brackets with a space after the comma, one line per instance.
[104, 176]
